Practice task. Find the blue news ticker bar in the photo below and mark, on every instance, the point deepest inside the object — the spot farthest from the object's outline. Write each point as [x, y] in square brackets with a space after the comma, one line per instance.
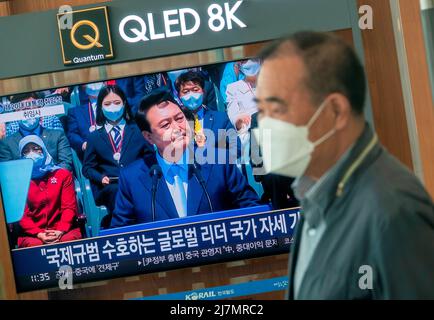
[159, 246]
[185, 220]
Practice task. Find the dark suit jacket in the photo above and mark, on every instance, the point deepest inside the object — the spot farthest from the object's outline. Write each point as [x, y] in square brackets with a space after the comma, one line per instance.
[216, 120]
[77, 128]
[135, 88]
[209, 98]
[227, 187]
[98, 157]
[382, 221]
[55, 140]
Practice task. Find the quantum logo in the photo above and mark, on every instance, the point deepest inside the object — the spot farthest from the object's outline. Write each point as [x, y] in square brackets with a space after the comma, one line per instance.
[88, 39]
[93, 41]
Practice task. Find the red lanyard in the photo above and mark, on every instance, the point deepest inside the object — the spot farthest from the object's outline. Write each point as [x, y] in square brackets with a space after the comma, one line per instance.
[250, 88]
[91, 118]
[118, 150]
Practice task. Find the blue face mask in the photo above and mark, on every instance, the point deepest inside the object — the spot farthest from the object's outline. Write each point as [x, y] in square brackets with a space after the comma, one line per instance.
[250, 68]
[38, 162]
[192, 100]
[113, 112]
[93, 89]
[29, 124]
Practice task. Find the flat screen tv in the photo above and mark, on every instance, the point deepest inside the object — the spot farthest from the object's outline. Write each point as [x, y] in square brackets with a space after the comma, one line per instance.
[83, 202]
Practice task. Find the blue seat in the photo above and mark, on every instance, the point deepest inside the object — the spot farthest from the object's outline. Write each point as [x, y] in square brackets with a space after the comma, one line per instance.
[94, 214]
[15, 181]
[81, 216]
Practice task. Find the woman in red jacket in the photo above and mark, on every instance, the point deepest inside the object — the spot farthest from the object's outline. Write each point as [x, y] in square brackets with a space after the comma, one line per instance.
[51, 207]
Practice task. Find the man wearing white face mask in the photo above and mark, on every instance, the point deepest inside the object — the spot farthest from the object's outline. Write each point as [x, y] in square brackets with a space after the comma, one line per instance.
[361, 209]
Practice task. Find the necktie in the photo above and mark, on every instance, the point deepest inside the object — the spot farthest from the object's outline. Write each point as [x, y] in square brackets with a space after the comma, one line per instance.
[199, 136]
[197, 125]
[180, 198]
[117, 137]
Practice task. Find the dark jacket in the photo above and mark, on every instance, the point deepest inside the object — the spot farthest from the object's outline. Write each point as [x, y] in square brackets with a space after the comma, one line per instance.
[135, 88]
[98, 158]
[55, 140]
[382, 221]
[77, 128]
[215, 121]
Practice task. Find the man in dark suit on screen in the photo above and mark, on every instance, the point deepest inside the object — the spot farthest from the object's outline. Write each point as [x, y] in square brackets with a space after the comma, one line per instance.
[182, 186]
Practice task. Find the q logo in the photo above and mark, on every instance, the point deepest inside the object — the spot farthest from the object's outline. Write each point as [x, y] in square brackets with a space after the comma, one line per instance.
[92, 41]
[88, 38]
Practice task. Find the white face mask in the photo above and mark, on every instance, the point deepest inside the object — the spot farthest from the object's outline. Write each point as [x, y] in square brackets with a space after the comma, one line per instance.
[286, 149]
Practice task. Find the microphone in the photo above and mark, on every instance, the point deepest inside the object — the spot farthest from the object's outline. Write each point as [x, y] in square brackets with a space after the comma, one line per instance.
[197, 173]
[155, 174]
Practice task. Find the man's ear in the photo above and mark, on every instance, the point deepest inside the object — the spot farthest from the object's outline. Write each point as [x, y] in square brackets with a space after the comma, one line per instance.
[148, 137]
[342, 110]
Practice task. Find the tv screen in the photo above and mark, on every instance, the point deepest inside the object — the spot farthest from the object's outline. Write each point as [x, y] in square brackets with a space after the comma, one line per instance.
[137, 175]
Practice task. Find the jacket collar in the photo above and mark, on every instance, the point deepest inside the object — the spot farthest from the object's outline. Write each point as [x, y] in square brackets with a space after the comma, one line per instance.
[365, 150]
[337, 181]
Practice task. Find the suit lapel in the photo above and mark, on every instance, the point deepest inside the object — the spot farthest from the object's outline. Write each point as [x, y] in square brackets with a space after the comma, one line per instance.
[45, 139]
[128, 133]
[195, 191]
[104, 137]
[208, 120]
[163, 197]
[84, 115]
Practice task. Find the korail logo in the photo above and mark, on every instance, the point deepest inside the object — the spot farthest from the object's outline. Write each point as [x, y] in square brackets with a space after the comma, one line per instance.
[281, 284]
[200, 295]
[192, 296]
